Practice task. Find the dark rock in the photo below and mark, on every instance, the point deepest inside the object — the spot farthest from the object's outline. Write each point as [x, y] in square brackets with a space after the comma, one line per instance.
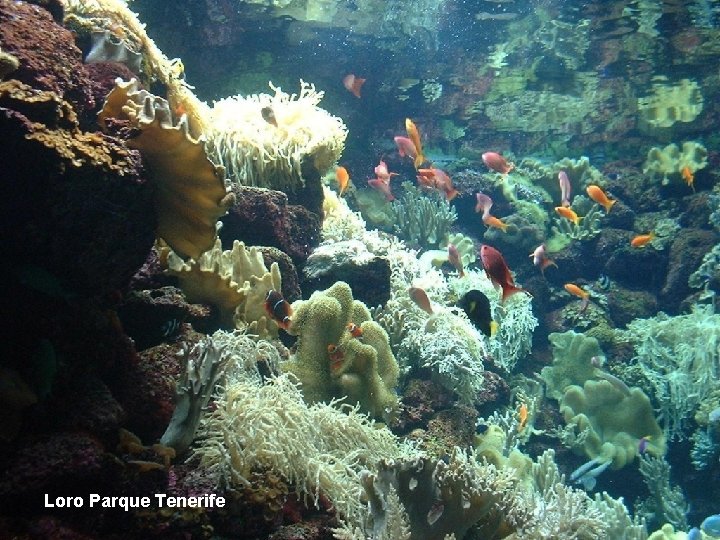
[686, 253]
[351, 262]
[263, 217]
[625, 305]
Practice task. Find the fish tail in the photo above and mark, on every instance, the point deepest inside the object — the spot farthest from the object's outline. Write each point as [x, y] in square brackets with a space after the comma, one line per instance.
[608, 205]
[419, 160]
[450, 195]
[508, 290]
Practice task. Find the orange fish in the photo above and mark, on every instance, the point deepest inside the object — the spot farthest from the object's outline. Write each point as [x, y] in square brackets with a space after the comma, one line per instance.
[522, 417]
[355, 330]
[343, 179]
[568, 213]
[599, 196]
[353, 84]
[437, 179]
[688, 177]
[497, 223]
[642, 240]
[278, 308]
[580, 293]
[420, 297]
[336, 356]
[414, 135]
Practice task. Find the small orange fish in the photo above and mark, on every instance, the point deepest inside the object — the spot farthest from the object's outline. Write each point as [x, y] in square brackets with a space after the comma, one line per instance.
[336, 356]
[688, 177]
[414, 135]
[599, 196]
[580, 293]
[355, 330]
[496, 223]
[420, 297]
[343, 179]
[353, 84]
[642, 240]
[568, 213]
[522, 417]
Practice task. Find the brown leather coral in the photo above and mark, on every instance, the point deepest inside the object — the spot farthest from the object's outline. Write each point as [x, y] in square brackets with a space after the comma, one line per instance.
[190, 189]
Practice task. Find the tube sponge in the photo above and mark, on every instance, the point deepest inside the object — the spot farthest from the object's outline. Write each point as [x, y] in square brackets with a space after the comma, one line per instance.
[361, 368]
[269, 153]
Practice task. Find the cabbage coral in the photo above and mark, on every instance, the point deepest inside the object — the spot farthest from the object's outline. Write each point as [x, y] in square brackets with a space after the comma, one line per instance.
[256, 152]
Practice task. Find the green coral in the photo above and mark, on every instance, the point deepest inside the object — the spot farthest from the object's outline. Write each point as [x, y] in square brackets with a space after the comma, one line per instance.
[609, 422]
[572, 355]
[670, 161]
[565, 231]
[365, 370]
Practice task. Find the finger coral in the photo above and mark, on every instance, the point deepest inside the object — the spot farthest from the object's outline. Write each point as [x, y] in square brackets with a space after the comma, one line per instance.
[190, 190]
[256, 152]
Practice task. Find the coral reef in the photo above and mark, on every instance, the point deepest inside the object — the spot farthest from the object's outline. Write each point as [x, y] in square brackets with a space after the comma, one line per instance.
[422, 220]
[609, 421]
[670, 161]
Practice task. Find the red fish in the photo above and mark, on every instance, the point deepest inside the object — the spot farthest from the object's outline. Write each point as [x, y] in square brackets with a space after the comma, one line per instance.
[498, 271]
[353, 84]
[335, 355]
[278, 309]
[383, 187]
[484, 204]
[437, 179]
[355, 330]
[497, 163]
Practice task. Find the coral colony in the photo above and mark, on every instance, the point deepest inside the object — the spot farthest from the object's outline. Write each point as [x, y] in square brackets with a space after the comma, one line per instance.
[450, 288]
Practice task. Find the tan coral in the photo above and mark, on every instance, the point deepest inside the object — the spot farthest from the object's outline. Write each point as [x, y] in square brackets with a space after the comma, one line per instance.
[191, 192]
[235, 281]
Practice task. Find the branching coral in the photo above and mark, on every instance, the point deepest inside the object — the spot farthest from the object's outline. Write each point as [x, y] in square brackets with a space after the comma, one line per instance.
[190, 190]
[422, 220]
[667, 503]
[235, 281]
[680, 357]
[256, 152]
